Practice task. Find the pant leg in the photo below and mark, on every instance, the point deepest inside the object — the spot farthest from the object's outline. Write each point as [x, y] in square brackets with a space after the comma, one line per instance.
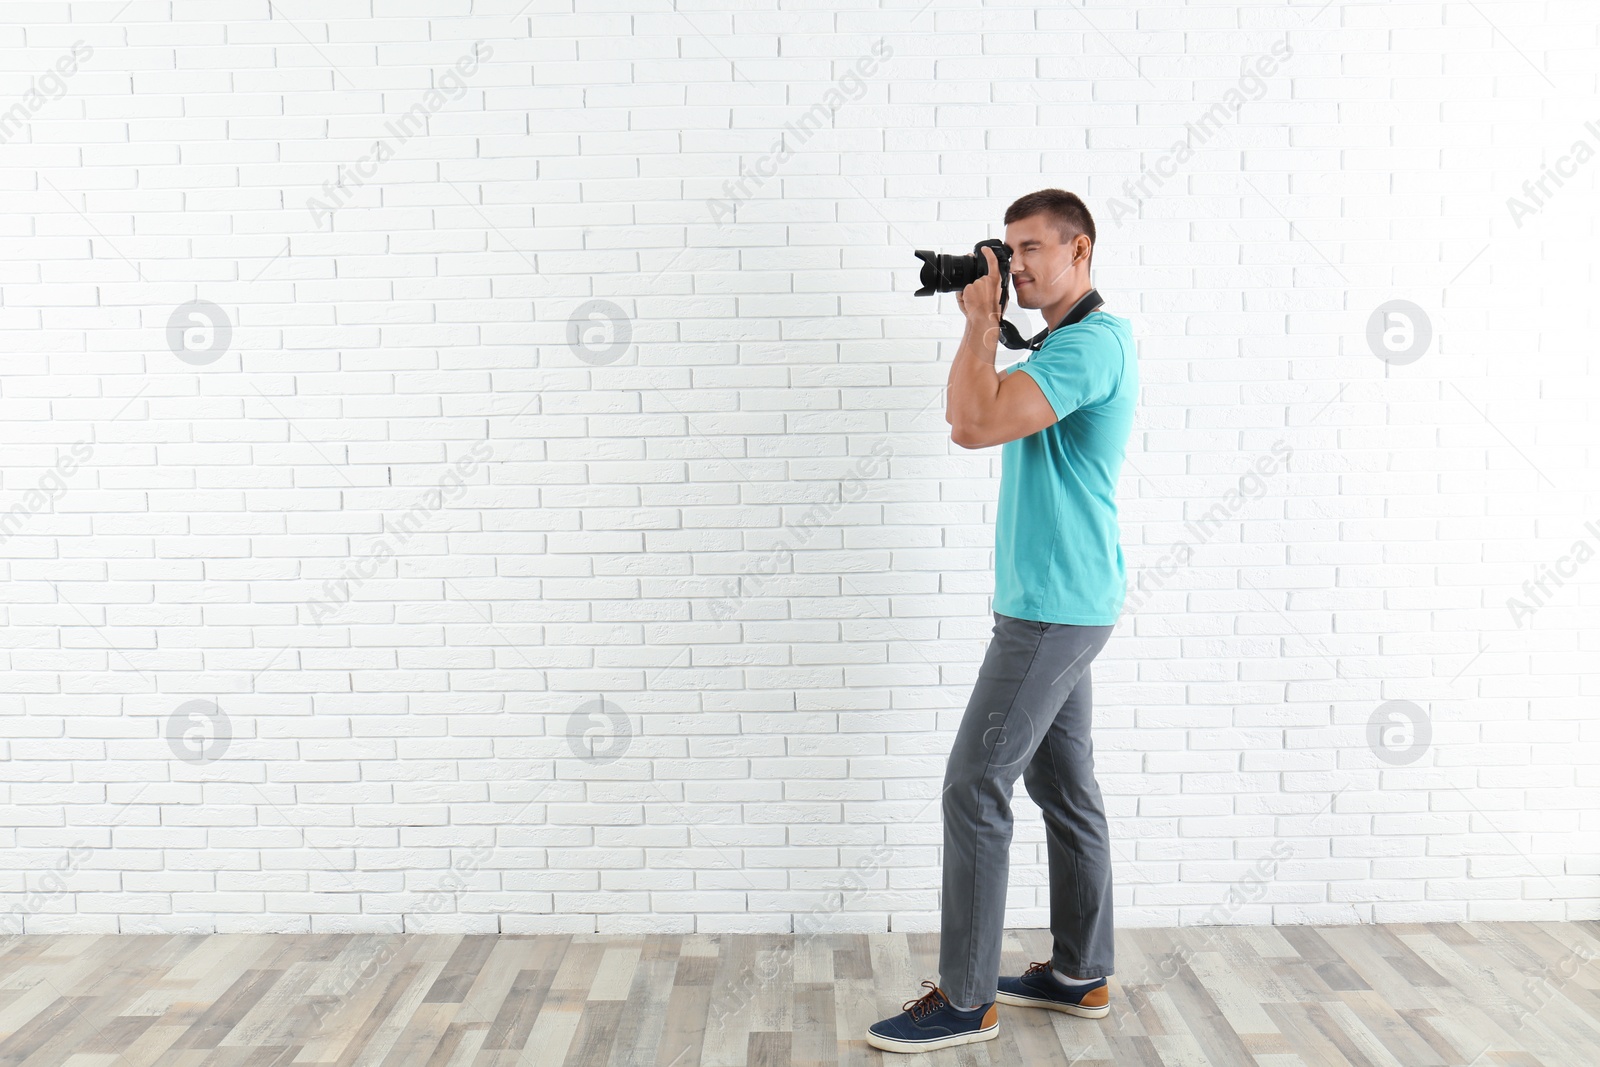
[1028, 672]
[1060, 779]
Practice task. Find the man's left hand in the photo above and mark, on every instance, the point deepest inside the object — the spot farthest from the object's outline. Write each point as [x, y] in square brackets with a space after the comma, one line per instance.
[980, 301]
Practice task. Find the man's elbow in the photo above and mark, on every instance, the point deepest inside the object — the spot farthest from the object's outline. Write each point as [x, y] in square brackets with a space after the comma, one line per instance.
[968, 436]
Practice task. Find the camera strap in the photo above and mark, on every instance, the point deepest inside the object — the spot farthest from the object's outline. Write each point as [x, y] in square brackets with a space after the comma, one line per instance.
[1011, 337]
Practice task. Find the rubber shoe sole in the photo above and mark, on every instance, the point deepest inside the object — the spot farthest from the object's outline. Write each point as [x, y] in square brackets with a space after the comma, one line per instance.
[987, 1033]
[1093, 1003]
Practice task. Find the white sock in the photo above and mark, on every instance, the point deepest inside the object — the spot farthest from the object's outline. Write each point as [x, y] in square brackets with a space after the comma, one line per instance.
[1064, 980]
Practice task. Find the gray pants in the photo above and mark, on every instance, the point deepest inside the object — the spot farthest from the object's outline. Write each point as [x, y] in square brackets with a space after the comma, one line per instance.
[1029, 715]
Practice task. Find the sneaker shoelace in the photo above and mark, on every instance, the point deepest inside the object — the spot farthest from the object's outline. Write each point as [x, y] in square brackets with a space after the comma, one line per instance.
[927, 1003]
[1035, 968]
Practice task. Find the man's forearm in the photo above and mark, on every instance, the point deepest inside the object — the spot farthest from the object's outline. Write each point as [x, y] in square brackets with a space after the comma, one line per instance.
[974, 382]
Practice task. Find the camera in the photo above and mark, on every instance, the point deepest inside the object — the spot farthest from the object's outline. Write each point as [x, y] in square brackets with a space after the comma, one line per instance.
[947, 274]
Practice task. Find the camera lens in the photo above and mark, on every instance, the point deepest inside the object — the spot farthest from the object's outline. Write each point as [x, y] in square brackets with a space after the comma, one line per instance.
[946, 273]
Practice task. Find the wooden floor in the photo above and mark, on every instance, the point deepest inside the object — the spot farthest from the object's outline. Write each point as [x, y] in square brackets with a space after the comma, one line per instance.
[1523, 994]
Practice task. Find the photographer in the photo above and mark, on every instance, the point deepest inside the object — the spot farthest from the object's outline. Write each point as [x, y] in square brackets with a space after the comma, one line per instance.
[1063, 416]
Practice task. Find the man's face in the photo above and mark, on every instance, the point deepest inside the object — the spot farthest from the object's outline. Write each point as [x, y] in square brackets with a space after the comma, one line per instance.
[1041, 271]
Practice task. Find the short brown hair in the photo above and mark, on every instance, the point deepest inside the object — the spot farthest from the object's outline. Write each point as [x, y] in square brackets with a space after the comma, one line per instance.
[1069, 213]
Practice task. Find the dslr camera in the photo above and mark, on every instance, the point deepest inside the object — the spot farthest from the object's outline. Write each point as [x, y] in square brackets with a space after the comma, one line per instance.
[948, 274]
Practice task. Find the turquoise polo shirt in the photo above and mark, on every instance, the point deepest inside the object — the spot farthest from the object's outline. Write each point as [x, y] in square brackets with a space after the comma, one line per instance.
[1057, 554]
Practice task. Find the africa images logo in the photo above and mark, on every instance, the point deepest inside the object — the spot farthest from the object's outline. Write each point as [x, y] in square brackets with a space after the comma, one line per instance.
[1538, 192]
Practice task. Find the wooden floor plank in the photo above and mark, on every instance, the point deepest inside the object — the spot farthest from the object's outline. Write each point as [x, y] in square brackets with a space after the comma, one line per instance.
[1406, 995]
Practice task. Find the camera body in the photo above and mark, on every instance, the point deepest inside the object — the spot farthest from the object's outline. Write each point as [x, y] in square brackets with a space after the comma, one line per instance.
[948, 274]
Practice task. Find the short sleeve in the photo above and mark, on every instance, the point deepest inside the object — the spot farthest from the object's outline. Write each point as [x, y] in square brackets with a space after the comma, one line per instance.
[1075, 368]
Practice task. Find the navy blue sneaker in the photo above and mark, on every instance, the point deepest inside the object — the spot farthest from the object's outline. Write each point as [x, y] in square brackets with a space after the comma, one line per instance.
[931, 1022]
[1038, 988]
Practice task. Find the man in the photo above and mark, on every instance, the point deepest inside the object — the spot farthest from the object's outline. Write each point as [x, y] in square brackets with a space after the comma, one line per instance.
[1063, 416]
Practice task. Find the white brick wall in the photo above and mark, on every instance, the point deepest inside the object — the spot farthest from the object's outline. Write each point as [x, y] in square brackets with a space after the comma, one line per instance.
[742, 524]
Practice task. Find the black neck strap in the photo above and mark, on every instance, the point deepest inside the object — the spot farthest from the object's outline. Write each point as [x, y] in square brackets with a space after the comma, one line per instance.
[1011, 338]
